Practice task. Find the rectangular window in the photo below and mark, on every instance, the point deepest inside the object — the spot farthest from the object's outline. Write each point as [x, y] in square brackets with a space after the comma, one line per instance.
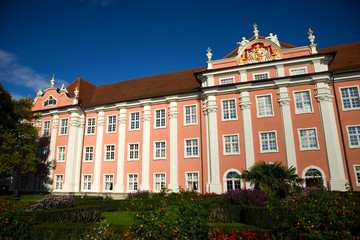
[41, 182]
[231, 144]
[132, 182]
[350, 98]
[43, 154]
[46, 129]
[133, 151]
[190, 115]
[229, 109]
[24, 180]
[89, 154]
[86, 182]
[260, 76]
[357, 174]
[109, 182]
[59, 182]
[264, 106]
[109, 152]
[268, 142]
[90, 127]
[111, 128]
[159, 181]
[61, 154]
[160, 150]
[308, 139]
[64, 126]
[354, 136]
[298, 71]
[302, 102]
[135, 121]
[160, 118]
[192, 181]
[224, 81]
[191, 148]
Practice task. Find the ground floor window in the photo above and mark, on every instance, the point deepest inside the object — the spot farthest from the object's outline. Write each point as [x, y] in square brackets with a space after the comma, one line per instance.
[109, 182]
[132, 182]
[159, 181]
[41, 183]
[86, 182]
[59, 182]
[357, 174]
[233, 181]
[313, 178]
[23, 182]
[192, 181]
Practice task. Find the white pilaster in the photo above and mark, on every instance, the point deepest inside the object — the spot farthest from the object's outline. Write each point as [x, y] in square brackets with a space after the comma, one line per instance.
[210, 108]
[243, 76]
[284, 101]
[280, 70]
[73, 159]
[245, 105]
[336, 168]
[51, 159]
[145, 176]
[96, 187]
[173, 113]
[119, 186]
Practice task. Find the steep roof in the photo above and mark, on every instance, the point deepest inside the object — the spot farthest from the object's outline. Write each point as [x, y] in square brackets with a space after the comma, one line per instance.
[140, 88]
[347, 57]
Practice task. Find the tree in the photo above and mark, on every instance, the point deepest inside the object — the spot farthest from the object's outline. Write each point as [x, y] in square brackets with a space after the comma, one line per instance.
[272, 178]
[18, 150]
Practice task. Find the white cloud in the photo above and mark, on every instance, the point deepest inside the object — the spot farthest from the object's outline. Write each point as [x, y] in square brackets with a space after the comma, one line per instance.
[14, 73]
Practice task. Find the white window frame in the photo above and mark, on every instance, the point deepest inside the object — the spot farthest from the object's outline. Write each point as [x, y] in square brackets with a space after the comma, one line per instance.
[43, 154]
[59, 181]
[160, 150]
[132, 182]
[232, 152]
[159, 182]
[89, 153]
[111, 153]
[63, 127]
[111, 126]
[297, 111]
[358, 136]
[138, 152]
[187, 180]
[86, 185]
[226, 80]
[134, 121]
[230, 109]
[268, 142]
[53, 101]
[357, 174]
[258, 105]
[108, 182]
[192, 148]
[46, 129]
[316, 136]
[61, 156]
[162, 119]
[293, 71]
[190, 115]
[342, 100]
[261, 74]
[91, 127]
[225, 179]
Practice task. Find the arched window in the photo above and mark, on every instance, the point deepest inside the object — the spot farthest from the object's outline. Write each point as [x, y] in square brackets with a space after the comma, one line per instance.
[313, 177]
[233, 181]
[50, 101]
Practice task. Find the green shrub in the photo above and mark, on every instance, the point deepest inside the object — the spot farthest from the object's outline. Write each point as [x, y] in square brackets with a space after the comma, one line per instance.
[105, 205]
[317, 214]
[88, 214]
[258, 216]
[14, 222]
[224, 213]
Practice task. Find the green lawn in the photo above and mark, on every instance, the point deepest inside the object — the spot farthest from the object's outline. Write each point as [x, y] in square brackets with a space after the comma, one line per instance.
[121, 218]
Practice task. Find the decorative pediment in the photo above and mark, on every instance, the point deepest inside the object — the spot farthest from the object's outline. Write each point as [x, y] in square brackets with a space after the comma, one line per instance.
[50, 101]
[259, 52]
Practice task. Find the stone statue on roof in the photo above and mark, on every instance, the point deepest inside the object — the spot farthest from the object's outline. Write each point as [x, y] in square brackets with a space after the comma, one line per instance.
[243, 42]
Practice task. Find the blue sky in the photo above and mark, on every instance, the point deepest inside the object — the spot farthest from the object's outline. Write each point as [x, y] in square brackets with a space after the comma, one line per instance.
[107, 41]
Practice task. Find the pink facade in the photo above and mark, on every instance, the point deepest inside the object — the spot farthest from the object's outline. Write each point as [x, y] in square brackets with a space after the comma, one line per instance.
[266, 101]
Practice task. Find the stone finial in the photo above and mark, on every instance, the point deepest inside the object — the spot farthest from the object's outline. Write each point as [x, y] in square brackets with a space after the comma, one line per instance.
[273, 38]
[76, 93]
[39, 93]
[209, 54]
[53, 80]
[63, 89]
[243, 42]
[256, 31]
[311, 36]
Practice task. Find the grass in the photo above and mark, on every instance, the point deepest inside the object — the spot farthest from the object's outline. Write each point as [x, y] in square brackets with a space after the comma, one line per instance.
[118, 218]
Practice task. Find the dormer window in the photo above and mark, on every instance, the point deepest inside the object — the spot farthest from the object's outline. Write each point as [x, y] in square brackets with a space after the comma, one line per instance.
[50, 101]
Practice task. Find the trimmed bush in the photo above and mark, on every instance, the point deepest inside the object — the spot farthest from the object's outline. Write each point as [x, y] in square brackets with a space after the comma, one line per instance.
[225, 213]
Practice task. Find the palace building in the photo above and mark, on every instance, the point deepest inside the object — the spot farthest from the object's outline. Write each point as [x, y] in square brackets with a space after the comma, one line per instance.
[198, 129]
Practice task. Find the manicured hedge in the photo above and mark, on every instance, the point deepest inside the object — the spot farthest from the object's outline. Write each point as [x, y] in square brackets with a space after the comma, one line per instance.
[225, 213]
[258, 216]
